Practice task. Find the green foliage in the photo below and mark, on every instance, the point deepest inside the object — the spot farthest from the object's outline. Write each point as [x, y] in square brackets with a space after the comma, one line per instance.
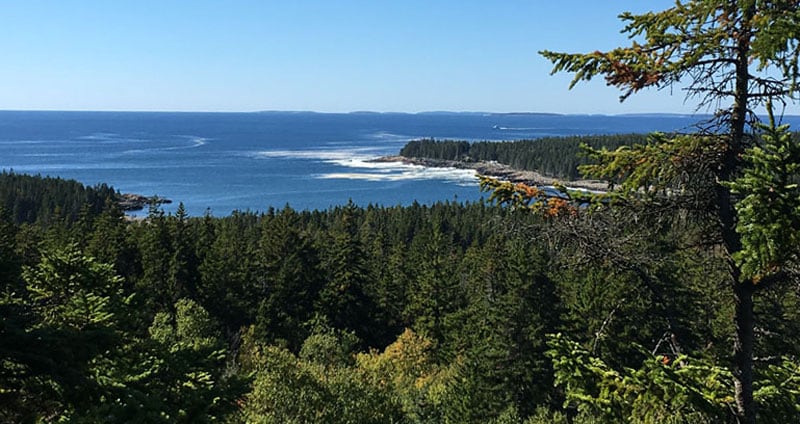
[291, 390]
[108, 241]
[329, 347]
[49, 200]
[69, 354]
[183, 262]
[433, 149]
[56, 331]
[70, 290]
[343, 300]
[778, 391]
[154, 245]
[10, 260]
[290, 279]
[520, 196]
[186, 366]
[231, 282]
[260, 331]
[408, 369]
[769, 210]
[676, 389]
[189, 328]
[499, 334]
[434, 293]
[697, 35]
[734, 56]
[558, 157]
[661, 390]
[663, 166]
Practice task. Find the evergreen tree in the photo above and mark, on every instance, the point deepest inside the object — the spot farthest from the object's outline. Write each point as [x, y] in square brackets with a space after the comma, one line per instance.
[109, 241]
[290, 280]
[183, 261]
[742, 52]
[343, 299]
[55, 335]
[155, 246]
[196, 355]
[434, 293]
[9, 260]
[511, 306]
[229, 278]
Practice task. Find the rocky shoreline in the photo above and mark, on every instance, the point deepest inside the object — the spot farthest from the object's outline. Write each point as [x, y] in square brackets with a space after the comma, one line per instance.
[499, 171]
[129, 202]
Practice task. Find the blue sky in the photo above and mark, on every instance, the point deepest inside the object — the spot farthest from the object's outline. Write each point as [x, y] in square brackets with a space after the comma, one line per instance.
[328, 56]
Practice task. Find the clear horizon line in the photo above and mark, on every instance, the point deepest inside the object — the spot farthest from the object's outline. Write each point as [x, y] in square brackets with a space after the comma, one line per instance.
[353, 112]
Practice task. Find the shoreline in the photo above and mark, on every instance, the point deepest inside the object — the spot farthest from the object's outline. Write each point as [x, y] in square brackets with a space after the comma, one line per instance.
[130, 202]
[499, 171]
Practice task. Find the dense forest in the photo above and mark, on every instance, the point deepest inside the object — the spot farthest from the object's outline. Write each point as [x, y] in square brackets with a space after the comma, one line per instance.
[30, 199]
[557, 157]
[672, 298]
[442, 313]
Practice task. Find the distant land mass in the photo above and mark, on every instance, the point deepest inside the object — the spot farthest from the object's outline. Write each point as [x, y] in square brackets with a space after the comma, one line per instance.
[699, 116]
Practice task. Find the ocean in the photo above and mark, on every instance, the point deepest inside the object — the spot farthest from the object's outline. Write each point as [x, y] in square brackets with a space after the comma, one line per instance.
[221, 162]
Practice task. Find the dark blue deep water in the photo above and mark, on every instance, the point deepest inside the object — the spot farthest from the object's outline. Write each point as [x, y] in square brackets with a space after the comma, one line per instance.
[251, 161]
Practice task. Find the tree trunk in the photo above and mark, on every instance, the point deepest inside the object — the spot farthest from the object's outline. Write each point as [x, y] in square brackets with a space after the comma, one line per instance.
[743, 288]
[743, 353]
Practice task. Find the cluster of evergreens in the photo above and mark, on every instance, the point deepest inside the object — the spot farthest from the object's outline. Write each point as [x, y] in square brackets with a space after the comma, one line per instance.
[38, 199]
[558, 157]
[443, 313]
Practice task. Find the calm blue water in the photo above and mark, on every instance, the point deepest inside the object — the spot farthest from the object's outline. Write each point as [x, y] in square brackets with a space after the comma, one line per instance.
[251, 161]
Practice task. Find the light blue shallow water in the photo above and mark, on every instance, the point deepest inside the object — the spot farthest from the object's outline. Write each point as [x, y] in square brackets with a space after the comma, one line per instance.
[251, 161]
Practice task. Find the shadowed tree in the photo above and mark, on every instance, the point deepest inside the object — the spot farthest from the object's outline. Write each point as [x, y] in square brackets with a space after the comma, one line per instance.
[343, 299]
[290, 281]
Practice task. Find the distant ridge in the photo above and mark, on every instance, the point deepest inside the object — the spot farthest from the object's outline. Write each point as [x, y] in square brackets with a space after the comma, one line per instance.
[368, 112]
[527, 114]
[665, 115]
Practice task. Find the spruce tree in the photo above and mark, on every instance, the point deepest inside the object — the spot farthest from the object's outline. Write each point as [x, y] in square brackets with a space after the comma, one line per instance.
[740, 54]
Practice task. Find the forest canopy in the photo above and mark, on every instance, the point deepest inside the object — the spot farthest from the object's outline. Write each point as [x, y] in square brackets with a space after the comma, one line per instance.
[362, 314]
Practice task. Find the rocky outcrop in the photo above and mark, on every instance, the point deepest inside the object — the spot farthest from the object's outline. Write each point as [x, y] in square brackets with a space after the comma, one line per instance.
[499, 171]
[136, 202]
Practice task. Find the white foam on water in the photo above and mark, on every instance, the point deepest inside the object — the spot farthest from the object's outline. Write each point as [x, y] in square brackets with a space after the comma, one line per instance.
[523, 129]
[52, 155]
[322, 155]
[68, 167]
[196, 141]
[101, 136]
[409, 173]
[24, 142]
[361, 159]
[385, 135]
[37, 168]
[107, 138]
[193, 143]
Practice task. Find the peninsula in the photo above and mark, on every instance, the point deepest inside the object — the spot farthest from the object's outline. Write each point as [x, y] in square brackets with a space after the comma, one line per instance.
[498, 170]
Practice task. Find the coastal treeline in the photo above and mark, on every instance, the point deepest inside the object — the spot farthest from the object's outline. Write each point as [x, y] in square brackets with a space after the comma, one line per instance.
[30, 198]
[557, 157]
[444, 313]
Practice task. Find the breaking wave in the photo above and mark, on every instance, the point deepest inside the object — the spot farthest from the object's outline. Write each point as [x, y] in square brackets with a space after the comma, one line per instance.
[362, 166]
[187, 142]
